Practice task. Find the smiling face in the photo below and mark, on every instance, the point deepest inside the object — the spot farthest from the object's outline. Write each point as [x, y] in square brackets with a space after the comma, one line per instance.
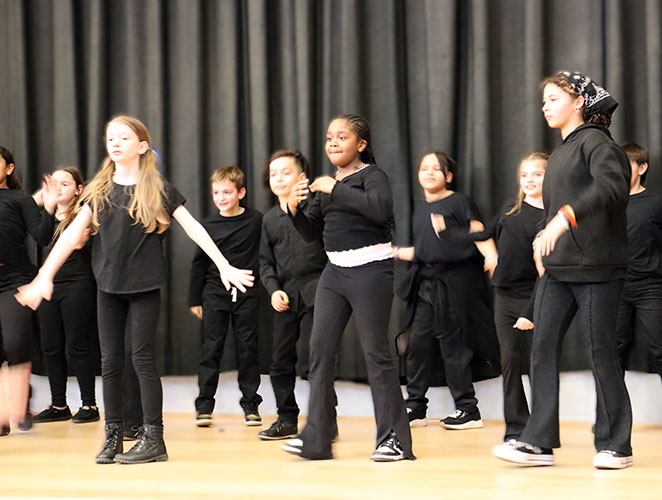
[226, 196]
[531, 176]
[431, 175]
[559, 107]
[123, 144]
[283, 175]
[343, 145]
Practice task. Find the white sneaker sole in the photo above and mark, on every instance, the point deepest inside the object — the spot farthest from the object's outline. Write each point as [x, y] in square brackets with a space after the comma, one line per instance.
[511, 454]
[419, 422]
[382, 458]
[603, 461]
[204, 423]
[291, 449]
[252, 424]
[471, 424]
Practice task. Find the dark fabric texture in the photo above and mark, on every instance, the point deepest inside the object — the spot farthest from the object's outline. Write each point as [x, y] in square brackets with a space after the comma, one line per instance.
[229, 81]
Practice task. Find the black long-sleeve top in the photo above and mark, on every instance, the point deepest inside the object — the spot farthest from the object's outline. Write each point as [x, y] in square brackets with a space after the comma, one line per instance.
[238, 239]
[20, 216]
[287, 261]
[644, 214]
[591, 173]
[358, 212]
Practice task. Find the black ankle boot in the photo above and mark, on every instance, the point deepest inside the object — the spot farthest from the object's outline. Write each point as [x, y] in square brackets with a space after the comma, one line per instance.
[113, 444]
[149, 448]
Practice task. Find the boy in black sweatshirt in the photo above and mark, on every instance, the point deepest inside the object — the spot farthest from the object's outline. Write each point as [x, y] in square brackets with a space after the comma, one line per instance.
[641, 304]
[236, 231]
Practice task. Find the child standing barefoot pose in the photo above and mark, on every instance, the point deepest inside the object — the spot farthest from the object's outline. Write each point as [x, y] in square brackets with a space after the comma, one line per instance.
[129, 207]
[353, 212]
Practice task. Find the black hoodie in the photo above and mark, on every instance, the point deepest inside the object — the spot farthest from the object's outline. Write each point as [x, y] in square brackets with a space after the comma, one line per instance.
[591, 173]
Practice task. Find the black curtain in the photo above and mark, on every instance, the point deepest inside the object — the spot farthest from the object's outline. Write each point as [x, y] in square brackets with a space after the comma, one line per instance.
[222, 82]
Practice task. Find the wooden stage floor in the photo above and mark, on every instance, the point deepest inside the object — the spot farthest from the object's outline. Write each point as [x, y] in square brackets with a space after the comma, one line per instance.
[228, 461]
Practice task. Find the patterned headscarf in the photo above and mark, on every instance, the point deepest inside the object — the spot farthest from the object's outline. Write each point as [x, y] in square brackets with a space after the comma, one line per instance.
[596, 99]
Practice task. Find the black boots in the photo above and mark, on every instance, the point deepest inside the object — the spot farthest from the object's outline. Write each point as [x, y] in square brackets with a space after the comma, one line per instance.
[113, 444]
[149, 448]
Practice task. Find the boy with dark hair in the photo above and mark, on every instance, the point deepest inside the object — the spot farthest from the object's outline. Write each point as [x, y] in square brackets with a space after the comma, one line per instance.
[640, 309]
[236, 232]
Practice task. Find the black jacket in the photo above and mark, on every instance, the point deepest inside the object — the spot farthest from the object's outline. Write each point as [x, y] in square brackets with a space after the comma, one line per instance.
[591, 173]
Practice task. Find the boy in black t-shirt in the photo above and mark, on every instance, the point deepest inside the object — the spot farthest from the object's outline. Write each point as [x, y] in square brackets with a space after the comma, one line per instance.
[236, 231]
[641, 304]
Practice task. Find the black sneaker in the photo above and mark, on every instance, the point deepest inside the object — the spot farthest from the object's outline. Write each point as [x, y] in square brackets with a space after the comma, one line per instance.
[5, 429]
[416, 417]
[131, 432]
[85, 415]
[203, 419]
[462, 420]
[524, 454]
[279, 430]
[608, 459]
[52, 414]
[26, 425]
[389, 451]
[252, 416]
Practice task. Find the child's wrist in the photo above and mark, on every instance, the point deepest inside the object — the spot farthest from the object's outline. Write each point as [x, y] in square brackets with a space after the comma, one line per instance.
[397, 253]
[491, 256]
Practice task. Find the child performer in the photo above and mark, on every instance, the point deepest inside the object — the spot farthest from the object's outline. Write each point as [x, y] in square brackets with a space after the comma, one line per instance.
[584, 260]
[19, 215]
[68, 321]
[641, 304]
[447, 297]
[290, 268]
[129, 207]
[236, 232]
[353, 211]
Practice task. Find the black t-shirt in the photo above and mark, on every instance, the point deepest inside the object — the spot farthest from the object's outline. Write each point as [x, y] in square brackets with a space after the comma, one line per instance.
[125, 258]
[457, 210]
[238, 239]
[78, 265]
[644, 214]
[20, 215]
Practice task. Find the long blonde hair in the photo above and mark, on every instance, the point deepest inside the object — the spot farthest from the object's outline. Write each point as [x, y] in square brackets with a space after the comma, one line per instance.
[146, 205]
[74, 207]
[535, 156]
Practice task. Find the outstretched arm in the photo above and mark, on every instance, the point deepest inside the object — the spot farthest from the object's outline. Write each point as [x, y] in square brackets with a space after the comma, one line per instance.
[230, 276]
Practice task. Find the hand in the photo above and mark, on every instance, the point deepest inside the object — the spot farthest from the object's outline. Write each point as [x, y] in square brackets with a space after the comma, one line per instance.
[197, 311]
[523, 324]
[298, 194]
[490, 265]
[31, 295]
[551, 234]
[537, 257]
[323, 184]
[280, 301]
[240, 278]
[83, 239]
[438, 223]
[48, 194]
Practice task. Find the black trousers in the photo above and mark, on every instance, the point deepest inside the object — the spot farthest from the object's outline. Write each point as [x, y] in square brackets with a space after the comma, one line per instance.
[135, 315]
[640, 310]
[288, 327]
[16, 326]
[556, 304]
[366, 291]
[215, 325]
[515, 349]
[68, 326]
[426, 335]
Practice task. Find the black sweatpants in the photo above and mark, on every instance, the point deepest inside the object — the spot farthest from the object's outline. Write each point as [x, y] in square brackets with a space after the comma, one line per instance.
[640, 310]
[68, 325]
[215, 326]
[16, 326]
[136, 315]
[367, 292]
[556, 304]
[288, 327]
[515, 349]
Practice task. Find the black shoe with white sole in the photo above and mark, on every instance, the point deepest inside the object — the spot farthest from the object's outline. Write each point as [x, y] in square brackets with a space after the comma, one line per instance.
[389, 450]
[461, 420]
[524, 454]
[417, 418]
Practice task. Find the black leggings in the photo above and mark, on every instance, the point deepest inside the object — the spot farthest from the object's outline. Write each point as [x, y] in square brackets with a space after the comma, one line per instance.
[68, 324]
[137, 314]
[16, 326]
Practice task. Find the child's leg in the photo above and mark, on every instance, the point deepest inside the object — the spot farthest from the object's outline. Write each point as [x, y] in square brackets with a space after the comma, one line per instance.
[244, 327]
[214, 331]
[625, 324]
[132, 410]
[332, 312]
[78, 306]
[554, 309]
[283, 364]
[597, 309]
[648, 302]
[112, 312]
[53, 347]
[370, 292]
[143, 320]
[421, 345]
